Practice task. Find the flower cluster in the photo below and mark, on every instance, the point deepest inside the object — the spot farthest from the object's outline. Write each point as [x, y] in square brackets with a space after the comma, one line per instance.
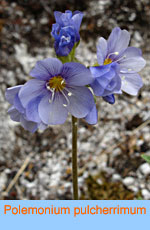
[66, 31]
[58, 89]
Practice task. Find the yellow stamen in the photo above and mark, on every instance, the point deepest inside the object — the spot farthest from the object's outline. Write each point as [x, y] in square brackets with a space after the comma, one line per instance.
[57, 83]
[107, 61]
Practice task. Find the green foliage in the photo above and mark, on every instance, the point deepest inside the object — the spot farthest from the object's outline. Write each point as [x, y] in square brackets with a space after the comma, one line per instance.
[146, 158]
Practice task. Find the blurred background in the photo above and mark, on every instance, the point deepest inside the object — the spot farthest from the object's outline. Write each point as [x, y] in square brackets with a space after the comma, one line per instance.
[109, 153]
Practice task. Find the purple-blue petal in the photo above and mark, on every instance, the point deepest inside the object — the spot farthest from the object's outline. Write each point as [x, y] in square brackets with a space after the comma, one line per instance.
[116, 87]
[58, 15]
[131, 83]
[65, 41]
[110, 99]
[33, 88]
[107, 80]
[11, 93]
[42, 126]
[53, 113]
[81, 101]
[76, 74]
[98, 71]
[97, 88]
[28, 125]
[118, 40]
[46, 69]
[101, 50]
[63, 19]
[66, 17]
[32, 112]
[55, 31]
[14, 114]
[132, 61]
[18, 105]
[77, 19]
[92, 116]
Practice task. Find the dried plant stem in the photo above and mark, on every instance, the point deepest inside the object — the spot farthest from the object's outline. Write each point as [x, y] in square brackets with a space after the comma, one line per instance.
[15, 179]
[74, 158]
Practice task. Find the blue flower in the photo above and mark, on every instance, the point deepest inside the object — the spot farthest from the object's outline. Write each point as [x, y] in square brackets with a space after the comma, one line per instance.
[17, 112]
[55, 90]
[66, 31]
[107, 80]
[129, 59]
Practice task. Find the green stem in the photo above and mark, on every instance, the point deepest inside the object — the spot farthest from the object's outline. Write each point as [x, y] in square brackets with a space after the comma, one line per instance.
[74, 158]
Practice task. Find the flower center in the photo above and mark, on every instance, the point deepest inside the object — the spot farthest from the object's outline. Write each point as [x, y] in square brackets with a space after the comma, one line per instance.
[107, 61]
[57, 83]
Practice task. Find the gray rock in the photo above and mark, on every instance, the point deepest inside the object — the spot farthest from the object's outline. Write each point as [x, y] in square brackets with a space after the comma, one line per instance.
[116, 177]
[3, 181]
[146, 194]
[128, 181]
[145, 169]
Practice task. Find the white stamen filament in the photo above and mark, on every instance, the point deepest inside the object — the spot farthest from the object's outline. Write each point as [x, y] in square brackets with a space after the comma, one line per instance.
[115, 53]
[47, 86]
[69, 93]
[68, 102]
[53, 94]
[62, 82]
[121, 58]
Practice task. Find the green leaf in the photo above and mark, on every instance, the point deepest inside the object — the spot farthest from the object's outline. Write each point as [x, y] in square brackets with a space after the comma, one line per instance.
[146, 158]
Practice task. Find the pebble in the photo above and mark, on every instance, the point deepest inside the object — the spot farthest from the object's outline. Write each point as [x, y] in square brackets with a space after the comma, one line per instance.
[133, 188]
[3, 181]
[138, 36]
[132, 17]
[145, 169]
[116, 177]
[128, 181]
[31, 185]
[91, 165]
[44, 21]
[109, 170]
[99, 181]
[85, 146]
[145, 194]
[44, 179]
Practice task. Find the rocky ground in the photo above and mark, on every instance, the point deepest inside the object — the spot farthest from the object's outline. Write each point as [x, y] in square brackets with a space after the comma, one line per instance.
[109, 153]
